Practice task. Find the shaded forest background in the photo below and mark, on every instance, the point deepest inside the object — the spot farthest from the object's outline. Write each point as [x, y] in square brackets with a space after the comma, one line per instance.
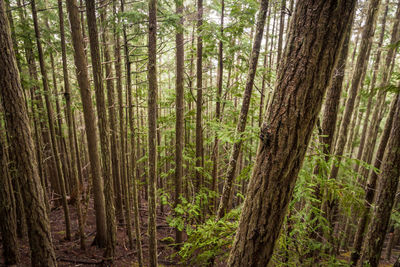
[199, 133]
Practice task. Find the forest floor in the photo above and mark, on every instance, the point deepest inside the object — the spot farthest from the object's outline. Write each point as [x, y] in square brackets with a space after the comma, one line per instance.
[68, 253]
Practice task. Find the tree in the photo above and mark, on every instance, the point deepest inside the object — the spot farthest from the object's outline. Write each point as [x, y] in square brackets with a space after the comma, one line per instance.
[303, 77]
[384, 200]
[152, 122]
[241, 125]
[103, 127]
[89, 117]
[50, 117]
[8, 224]
[70, 118]
[18, 127]
[199, 97]
[179, 126]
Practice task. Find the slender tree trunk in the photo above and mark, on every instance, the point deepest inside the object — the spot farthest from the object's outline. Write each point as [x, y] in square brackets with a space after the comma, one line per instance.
[50, 116]
[70, 118]
[384, 199]
[134, 179]
[199, 97]
[372, 86]
[152, 131]
[89, 117]
[330, 207]
[8, 224]
[371, 183]
[319, 29]
[103, 128]
[118, 74]
[281, 30]
[111, 111]
[180, 112]
[125, 182]
[18, 127]
[241, 125]
[220, 73]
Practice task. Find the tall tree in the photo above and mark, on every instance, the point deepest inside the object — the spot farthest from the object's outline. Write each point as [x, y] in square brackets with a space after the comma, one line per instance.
[220, 73]
[70, 118]
[8, 224]
[318, 28]
[152, 130]
[89, 117]
[50, 117]
[372, 179]
[179, 126]
[384, 200]
[241, 124]
[18, 127]
[199, 96]
[103, 127]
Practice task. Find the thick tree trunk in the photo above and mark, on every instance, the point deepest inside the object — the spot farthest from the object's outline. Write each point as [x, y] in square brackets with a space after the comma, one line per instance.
[18, 127]
[304, 75]
[89, 117]
[385, 197]
[103, 128]
[152, 130]
[241, 125]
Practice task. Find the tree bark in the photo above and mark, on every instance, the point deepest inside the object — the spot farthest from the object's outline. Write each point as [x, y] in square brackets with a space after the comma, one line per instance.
[8, 223]
[199, 98]
[103, 128]
[70, 118]
[89, 117]
[180, 112]
[18, 127]
[313, 47]
[152, 130]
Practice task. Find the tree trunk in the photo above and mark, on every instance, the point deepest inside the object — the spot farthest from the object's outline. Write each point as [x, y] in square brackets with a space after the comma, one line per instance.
[8, 223]
[70, 118]
[88, 112]
[241, 125]
[18, 127]
[371, 183]
[319, 29]
[180, 112]
[125, 181]
[50, 117]
[330, 207]
[199, 98]
[152, 130]
[118, 74]
[385, 197]
[103, 128]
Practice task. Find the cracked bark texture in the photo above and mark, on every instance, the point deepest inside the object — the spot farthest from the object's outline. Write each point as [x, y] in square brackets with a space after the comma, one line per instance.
[313, 47]
[18, 127]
